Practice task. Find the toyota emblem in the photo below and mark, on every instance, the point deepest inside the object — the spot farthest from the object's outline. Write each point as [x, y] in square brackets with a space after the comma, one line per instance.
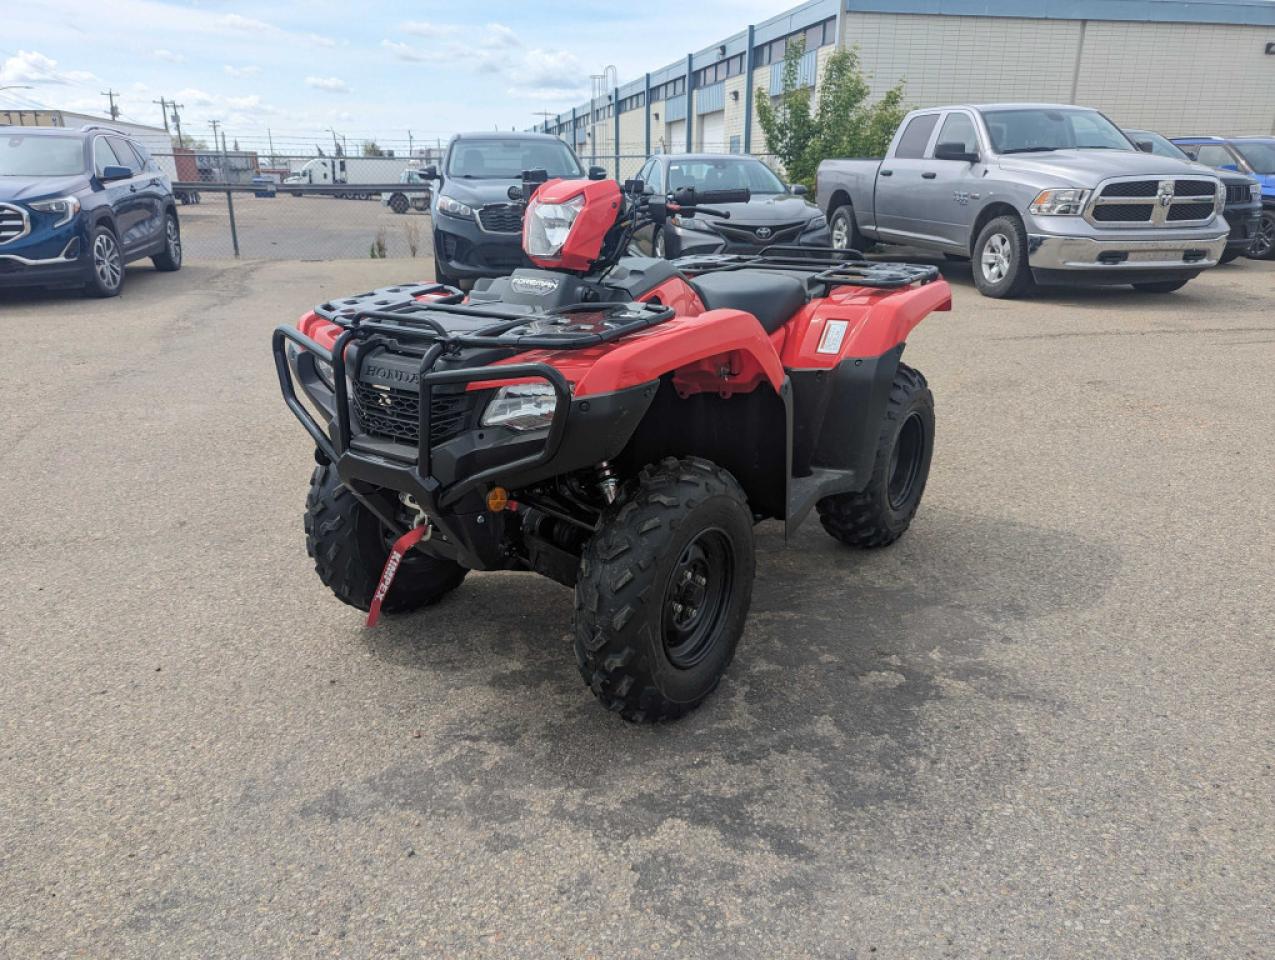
[763, 233]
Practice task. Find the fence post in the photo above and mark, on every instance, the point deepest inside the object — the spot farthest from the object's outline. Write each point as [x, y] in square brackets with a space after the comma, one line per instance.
[234, 232]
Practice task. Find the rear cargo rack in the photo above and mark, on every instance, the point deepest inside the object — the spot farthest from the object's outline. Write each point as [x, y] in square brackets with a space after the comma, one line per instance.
[823, 265]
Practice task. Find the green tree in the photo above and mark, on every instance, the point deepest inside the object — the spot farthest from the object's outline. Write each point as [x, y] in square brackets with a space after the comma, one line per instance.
[372, 149]
[842, 123]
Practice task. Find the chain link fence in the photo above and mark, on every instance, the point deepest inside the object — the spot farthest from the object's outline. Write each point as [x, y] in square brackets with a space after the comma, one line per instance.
[276, 207]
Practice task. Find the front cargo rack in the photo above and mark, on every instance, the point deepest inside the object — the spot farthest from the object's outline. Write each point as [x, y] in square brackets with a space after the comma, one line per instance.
[826, 266]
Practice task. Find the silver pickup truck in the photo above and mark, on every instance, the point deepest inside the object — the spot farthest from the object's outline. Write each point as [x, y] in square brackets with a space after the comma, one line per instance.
[1030, 192]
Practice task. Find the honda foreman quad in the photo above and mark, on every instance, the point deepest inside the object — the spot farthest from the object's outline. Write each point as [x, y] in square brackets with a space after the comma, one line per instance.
[615, 423]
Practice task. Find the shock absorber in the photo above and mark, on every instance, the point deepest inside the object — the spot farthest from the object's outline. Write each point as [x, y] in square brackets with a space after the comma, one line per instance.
[608, 482]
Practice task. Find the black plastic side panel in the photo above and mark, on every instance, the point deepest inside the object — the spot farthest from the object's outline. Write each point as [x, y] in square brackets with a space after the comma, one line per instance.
[851, 425]
[811, 391]
[634, 277]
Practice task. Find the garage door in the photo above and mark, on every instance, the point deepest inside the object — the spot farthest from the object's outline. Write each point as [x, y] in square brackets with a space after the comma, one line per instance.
[675, 139]
[712, 132]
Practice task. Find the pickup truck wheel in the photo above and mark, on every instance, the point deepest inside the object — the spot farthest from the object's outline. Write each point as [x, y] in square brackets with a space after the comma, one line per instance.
[1263, 247]
[882, 512]
[664, 590]
[845, 234]
[1161, 286]
[1000, 259]
[349, 546]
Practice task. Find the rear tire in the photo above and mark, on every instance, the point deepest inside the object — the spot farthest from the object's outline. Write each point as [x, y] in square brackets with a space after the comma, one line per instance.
[1161, 286]
[664, 589]
[844, 231]
[1263, 247]
[171, 259]
[398, 203]
[1000, 259]
[882, 512]
[349, 545]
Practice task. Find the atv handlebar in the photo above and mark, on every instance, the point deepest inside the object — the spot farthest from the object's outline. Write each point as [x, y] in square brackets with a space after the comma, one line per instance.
[690, 197]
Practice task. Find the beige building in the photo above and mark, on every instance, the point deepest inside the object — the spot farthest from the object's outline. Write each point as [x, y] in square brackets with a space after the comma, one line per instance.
[1177, 66]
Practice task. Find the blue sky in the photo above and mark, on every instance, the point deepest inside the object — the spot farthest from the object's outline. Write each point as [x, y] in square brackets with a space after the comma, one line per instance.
[298, 68]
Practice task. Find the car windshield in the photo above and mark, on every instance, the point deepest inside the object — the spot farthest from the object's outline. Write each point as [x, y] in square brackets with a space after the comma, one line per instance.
[507, 159]
[41, 156]
[1260, 156]
[724, 174]
[1031, 129]
[1160, 146]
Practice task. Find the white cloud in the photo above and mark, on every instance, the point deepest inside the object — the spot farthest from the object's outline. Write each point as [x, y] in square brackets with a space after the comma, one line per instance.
[34, 68]
[499, 36]
[422, 28]
[320, 40]
[249, 71]
[169, 56]
[327, 84]
[237, 22]
[548, 73]
[410, 54]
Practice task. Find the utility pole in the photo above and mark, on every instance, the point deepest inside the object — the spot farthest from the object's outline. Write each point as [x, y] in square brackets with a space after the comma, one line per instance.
[111, 95]
[270, 138]
[163, 109]
[409, 144]
[177, 121]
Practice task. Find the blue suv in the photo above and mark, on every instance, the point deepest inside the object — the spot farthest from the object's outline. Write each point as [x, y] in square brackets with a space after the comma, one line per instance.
[76, 205]
[1252, 155]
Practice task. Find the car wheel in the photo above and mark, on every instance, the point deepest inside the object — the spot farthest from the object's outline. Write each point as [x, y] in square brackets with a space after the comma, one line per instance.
[171, 258]
[1000, 259]
[845, 233]
[1263, 247]
[398, 203]
[106, 262]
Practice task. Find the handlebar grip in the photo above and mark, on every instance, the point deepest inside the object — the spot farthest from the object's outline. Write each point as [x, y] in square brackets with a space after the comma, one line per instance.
[690, 197]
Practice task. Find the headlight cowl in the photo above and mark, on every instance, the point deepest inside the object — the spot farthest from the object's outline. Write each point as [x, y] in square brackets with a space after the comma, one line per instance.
[522, 406]
[549, 225]
[1066, 202]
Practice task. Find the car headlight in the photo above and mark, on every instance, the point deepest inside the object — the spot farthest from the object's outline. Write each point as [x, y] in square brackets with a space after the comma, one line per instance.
[549, 225]
[523, 406]
[691, 223]
[63, 207]
[818, 223]
[454, 208]
[1059, 203]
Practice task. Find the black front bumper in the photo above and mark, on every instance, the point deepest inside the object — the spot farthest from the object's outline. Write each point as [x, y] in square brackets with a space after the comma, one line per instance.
[449, 480]
[1244, 220]
[466, 251]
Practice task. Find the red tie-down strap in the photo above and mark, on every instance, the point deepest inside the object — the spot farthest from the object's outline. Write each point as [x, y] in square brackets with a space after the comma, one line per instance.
[392, 562]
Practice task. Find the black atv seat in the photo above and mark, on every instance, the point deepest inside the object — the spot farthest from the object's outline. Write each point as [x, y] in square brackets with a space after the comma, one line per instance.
[770, 297]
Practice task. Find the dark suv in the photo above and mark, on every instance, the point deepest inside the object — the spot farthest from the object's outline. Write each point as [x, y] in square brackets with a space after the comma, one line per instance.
[76, 205]
[477, 227]
[1251, 155]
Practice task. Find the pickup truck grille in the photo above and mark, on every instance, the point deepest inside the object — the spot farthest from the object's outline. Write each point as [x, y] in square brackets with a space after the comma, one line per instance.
[1153, 203]
[394, 414]
[1238, 193]
[13, 223]
[500, 218]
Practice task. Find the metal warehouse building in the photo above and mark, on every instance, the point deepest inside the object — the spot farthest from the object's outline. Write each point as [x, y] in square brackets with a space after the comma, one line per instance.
[1177, 66]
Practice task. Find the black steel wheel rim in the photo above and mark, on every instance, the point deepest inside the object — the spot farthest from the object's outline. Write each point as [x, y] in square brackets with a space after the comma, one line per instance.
[1265, 237]
[697, 597]
[905, 461]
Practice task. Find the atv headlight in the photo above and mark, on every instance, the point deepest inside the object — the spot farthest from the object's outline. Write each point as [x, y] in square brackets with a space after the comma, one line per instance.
[324, 370]
[549, 225]
[523, 406]
[454, 208]
[64, 207]
[1059, 203]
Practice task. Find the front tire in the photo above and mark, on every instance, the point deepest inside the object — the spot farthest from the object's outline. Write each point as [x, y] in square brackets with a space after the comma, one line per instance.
[1000, 259]
[398, 203]
[664, 589]
[882, 512]
[349, 545]
[171, 258]
[1263, 247]
[106, 264]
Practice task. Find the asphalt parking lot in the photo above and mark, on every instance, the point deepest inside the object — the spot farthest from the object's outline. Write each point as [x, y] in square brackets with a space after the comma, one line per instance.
[1039, 726]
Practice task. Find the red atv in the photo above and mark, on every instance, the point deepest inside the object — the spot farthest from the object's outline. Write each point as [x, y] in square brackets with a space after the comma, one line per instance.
[618, 424]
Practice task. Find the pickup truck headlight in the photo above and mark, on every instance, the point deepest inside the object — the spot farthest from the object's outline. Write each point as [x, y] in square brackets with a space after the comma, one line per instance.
[523, 406]
[454, 208]
[1059, 203]
[63, 207]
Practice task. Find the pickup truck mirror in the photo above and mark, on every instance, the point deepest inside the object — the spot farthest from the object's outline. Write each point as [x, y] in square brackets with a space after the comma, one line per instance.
[797, 189]
[597, 173]
[112, 172]
[955, 151]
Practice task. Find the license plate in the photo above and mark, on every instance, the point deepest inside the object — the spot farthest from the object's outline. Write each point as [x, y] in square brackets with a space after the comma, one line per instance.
[1140, 256]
